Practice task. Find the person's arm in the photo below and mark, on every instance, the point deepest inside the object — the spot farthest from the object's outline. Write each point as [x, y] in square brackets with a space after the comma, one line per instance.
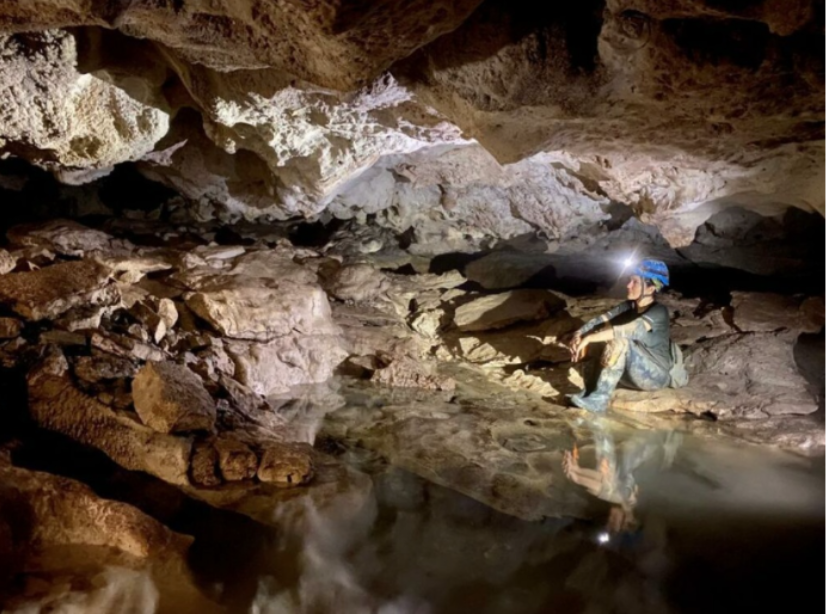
[604, 318]
[631, 330]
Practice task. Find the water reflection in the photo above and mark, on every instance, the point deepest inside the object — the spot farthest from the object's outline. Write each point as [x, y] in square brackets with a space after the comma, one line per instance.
[613, 477]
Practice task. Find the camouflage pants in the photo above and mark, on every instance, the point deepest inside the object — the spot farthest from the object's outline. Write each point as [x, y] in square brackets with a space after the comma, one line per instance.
[628, 362]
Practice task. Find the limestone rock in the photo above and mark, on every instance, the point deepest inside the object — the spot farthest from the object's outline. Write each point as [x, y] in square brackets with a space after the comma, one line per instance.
[64, 237]
[63, 512]
[502, 270]
[501, 310]
[750, 375]
[55, 404]
[406, 372]
[251, 310]
[691, 320]
[767, 312]
[236, 461]
[82, 121]
[204, 465]
[7, 262]
[336, 46]
[171, 399]
[102, 366]
[10, 328]
[275, 366]
[344, 135]
[49, 292]
[356, 282]
[126, 347]
[652, 77]
[288, 464]
[518, 345]
[158, 316]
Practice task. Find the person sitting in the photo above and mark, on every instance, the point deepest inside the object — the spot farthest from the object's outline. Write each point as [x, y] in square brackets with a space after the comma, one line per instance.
[637, 343]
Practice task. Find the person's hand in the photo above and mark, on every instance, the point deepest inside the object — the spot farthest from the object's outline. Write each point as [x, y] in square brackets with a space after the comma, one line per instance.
[577, 347]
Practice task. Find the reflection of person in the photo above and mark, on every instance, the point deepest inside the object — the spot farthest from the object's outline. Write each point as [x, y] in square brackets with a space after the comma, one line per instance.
[637, 344]
[613, 479]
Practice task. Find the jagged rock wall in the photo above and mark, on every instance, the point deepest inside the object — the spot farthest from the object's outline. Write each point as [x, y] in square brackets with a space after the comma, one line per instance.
[678, 111]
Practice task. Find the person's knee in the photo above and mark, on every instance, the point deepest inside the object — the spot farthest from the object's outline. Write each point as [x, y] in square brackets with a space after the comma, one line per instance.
[613, 351]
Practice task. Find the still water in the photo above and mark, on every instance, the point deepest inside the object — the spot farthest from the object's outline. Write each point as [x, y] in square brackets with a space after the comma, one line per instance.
[686, 525]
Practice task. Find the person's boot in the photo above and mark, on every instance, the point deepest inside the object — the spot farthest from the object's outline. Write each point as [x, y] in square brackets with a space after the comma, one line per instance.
[597, 400]
[574, 397]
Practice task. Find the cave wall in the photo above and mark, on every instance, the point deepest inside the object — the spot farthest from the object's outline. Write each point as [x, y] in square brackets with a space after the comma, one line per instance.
[466, 121]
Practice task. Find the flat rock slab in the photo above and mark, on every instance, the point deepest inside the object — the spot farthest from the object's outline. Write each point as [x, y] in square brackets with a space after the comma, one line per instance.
[54, 290]
[503, 309]
[170, 398]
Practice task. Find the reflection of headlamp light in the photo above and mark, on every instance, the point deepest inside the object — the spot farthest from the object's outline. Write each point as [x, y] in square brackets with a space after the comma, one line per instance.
[603, 537]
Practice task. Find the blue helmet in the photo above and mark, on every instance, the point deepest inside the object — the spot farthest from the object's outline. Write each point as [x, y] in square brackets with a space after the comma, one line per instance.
[654, 271]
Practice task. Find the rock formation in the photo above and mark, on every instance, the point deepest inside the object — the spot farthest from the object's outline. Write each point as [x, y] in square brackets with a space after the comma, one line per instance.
[243, 242]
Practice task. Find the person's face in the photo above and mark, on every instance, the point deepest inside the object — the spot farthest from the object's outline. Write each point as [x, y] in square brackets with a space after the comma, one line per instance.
[634, 289]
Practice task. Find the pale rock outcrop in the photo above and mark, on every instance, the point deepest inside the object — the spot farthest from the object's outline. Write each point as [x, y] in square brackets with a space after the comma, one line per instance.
[260, 296]
[406, 372]
[458, 199]
[750, 376]
[65, 237]
[64, 119]
[334, 45]
[277, 365]
[170, 398]
[356, 282]
[287, 151]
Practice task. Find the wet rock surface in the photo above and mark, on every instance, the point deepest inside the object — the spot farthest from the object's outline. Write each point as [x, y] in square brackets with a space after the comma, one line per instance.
[460, 386]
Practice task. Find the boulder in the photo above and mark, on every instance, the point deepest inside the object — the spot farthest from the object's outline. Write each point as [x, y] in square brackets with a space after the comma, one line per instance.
[236, 460]
[171, 399]
[767, 312]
